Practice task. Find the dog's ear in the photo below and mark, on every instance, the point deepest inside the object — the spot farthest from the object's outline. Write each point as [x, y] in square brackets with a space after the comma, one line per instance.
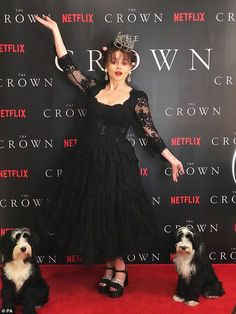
[198, 245]
[200, 250]
[4, 242]
[191, 228]
[175, 234]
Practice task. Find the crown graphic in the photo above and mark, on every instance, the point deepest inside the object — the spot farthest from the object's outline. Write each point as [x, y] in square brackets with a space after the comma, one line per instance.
[124, 42]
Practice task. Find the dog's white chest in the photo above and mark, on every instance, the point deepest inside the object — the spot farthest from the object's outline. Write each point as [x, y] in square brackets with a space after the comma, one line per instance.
[184, 266]
[18, 272]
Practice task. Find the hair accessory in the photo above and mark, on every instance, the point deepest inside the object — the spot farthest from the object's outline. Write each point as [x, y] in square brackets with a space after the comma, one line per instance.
[104, 48]
[124, 42]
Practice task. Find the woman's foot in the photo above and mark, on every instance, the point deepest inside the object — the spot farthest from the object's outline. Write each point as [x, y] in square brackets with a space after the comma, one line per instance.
[117, 284]
[106, 279]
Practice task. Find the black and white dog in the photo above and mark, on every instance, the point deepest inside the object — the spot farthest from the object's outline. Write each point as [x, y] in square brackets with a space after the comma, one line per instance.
[22, 282]
[195, 273]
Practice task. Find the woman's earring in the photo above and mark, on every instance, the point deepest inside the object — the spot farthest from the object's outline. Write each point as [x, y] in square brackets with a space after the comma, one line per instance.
[129, 77]
[106, 75]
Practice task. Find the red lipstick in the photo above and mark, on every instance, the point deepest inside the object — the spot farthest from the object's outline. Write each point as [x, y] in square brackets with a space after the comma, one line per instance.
[118, 73]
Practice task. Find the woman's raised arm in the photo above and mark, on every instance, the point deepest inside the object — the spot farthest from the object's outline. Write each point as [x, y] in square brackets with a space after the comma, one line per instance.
[52, 25]
[64, 59]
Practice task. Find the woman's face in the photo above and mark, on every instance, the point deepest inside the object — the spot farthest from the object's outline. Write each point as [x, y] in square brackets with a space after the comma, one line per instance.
[118, 66]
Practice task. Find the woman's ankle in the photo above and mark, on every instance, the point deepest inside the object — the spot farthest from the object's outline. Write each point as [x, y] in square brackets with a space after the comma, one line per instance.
[119, 264]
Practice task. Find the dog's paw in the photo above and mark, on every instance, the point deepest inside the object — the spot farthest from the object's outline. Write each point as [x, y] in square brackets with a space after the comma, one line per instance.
[177, 299]
[5, 310]
[212, 296]
[192, 303]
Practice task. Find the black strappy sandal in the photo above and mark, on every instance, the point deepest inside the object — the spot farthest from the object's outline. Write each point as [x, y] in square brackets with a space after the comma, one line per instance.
[105, 281]
[118, 285]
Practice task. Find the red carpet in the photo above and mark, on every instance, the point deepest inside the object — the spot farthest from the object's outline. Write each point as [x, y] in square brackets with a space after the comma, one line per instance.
[150, 290]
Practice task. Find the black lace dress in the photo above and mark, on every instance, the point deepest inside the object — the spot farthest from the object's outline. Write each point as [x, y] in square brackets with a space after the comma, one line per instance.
[101, 210]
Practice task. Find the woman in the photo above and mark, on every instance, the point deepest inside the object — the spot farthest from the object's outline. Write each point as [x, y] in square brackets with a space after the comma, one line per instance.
[106, 205]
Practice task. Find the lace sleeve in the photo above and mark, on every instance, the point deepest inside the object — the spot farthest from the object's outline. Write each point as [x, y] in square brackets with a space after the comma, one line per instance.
[145, 120]
[74, 75]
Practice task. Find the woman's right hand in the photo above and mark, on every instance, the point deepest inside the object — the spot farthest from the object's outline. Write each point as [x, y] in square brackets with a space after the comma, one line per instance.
[47, 22]
[52, 25]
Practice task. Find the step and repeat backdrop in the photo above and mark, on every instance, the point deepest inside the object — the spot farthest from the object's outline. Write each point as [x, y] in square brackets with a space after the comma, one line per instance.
[186, 65]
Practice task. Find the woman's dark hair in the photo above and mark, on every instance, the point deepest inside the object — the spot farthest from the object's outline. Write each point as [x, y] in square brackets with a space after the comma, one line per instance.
[108, 51]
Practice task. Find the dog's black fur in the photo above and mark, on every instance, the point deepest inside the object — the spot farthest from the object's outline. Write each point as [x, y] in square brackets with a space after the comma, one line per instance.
[22, 282]
[196, 275]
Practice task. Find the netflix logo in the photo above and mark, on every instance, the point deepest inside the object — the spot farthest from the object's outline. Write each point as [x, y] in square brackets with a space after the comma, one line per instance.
[185, 199]
[4, 230]
[74, 259]
[172, 256]
[143, 172]
[70, 142]
[13, 173]
[189, 17]
[186, 141]
[13, 113]
[77, 18]
[12, 48]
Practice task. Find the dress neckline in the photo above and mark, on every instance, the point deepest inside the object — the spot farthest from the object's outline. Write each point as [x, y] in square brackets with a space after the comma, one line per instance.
[118, 104]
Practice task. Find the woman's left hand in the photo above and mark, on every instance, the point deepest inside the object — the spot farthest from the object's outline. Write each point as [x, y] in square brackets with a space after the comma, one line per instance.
[177, 169]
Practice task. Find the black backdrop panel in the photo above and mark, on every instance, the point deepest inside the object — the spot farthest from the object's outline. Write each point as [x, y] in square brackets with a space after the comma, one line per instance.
[187, 68]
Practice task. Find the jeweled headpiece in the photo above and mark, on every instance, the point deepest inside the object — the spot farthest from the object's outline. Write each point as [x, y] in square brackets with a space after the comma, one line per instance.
[124, 42]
